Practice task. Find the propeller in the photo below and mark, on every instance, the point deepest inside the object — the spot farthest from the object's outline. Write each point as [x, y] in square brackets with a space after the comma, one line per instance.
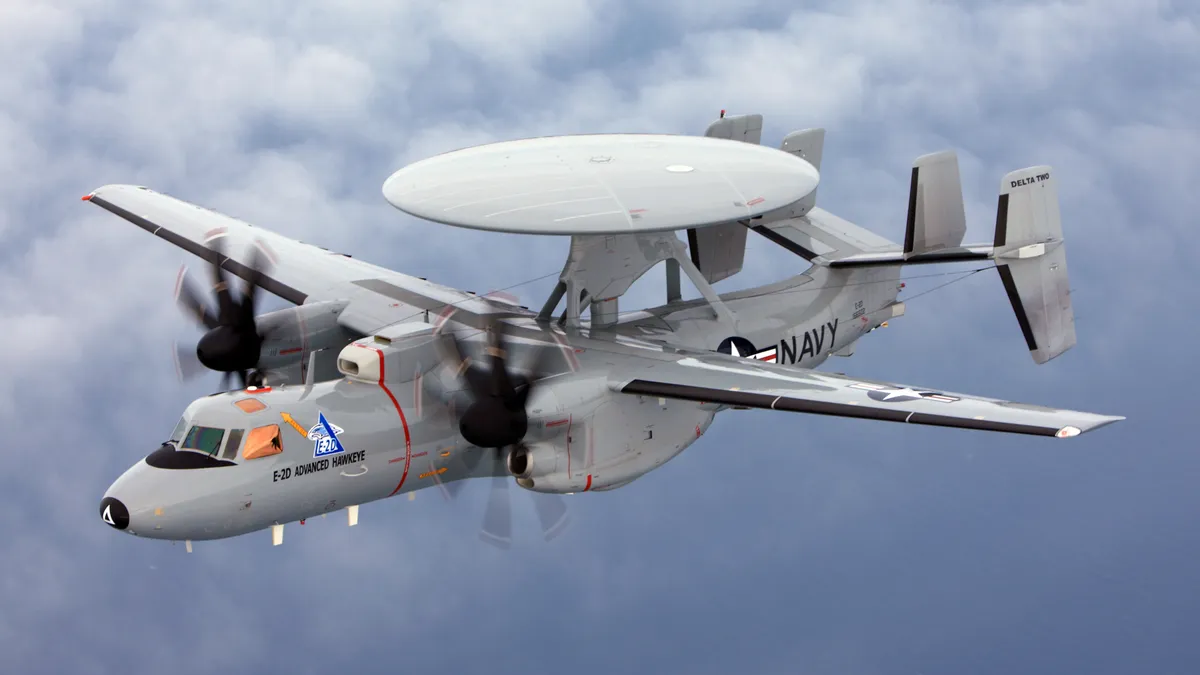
[496, 528]
[496, 418]
[232, 341]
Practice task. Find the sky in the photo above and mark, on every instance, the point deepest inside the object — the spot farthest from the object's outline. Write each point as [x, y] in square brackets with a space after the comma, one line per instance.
[777, 543]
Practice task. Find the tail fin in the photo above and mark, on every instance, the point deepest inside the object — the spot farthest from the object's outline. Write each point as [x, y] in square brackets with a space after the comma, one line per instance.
[936, 218]
[1032, 260]
[719, 252]
[809, 145]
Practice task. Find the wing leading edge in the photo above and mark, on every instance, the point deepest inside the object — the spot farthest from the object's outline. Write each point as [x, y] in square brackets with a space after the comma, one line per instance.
[725, 381]
[299, 272]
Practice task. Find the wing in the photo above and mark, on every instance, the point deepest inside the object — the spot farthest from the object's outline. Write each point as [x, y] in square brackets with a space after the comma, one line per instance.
[733, 382]
[299, 272]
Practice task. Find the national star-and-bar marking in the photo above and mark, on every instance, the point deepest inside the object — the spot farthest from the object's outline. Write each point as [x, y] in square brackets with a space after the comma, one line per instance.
[888, 394]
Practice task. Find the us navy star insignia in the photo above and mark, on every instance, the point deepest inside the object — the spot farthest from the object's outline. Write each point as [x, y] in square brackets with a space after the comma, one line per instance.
[887, 394]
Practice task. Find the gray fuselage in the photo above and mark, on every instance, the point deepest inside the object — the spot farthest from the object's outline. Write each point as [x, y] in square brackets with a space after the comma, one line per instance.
[263, 457]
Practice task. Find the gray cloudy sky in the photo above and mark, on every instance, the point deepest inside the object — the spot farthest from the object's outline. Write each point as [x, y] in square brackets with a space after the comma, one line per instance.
[779, 543]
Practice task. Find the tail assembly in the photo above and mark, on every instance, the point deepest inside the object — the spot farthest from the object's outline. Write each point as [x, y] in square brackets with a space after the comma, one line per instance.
[1028, 249]
[1032, 261]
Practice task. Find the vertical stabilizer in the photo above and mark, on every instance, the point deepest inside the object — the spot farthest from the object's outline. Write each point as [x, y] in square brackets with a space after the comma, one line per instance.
[745, 128]
[807, 144]
[718, 252]
[936, 217]
[1032, 260]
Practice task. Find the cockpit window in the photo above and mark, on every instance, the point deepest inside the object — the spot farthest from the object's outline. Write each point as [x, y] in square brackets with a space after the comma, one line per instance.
[204, 439]
[263, 442]
[232, 442]
[177, 435]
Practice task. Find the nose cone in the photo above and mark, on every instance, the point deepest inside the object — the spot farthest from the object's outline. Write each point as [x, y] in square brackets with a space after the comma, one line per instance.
[113, 512]
[129, 502]
[178, 498]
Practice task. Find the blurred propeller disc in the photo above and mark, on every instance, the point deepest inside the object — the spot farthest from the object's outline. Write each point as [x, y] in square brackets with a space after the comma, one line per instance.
[232, 342]
[187, 364]
[497, 519]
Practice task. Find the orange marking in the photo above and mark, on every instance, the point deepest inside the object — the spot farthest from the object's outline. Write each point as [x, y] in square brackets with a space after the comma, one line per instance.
[294, 424]
[87, 198]
[589, 483]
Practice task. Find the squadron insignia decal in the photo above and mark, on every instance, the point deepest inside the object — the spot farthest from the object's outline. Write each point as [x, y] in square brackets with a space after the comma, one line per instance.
[324, 437]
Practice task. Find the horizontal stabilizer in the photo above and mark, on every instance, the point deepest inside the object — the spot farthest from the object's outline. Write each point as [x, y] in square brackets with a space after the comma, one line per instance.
[936, 217]
[1032, 260]
[820, 234]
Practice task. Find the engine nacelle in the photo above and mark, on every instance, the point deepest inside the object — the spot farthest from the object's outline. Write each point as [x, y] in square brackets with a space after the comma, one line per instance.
[532, 461]
[397, 353]
[290, 335]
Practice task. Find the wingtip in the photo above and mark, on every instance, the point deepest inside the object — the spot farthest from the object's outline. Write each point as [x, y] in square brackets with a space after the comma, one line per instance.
[1103, 421]
[1074, 430]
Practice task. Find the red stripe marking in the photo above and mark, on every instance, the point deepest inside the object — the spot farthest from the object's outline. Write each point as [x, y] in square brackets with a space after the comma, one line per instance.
[403, 420]
[293, 350]
[557, 423]
[589, 483]
[756, 200]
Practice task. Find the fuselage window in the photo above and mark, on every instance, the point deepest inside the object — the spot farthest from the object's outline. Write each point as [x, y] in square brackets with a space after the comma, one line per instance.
[204, 439]
[232, 443]
[250, 405]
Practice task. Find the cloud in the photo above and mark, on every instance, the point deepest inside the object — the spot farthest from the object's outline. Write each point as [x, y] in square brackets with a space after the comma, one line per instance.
[776, 542]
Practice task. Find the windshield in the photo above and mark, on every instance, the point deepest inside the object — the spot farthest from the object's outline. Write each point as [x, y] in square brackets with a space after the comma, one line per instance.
[204, 439]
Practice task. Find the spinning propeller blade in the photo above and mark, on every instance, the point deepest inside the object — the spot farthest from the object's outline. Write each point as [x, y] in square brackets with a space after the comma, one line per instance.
[187, 364]
[497, 519]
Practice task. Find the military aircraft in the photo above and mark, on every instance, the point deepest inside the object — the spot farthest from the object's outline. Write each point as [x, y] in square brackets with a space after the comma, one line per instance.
[377, 383]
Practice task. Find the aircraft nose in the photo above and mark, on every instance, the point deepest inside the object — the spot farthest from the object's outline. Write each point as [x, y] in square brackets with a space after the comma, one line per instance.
[113, 512]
